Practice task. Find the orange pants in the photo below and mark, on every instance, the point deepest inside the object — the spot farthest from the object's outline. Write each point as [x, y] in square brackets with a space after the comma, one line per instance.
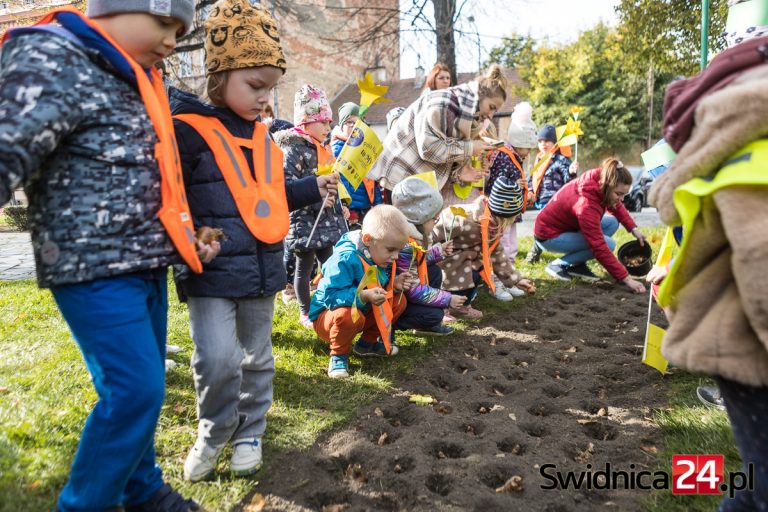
[337, 328]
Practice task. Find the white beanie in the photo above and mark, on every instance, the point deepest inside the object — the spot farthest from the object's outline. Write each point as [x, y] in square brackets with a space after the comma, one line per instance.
[522, 130]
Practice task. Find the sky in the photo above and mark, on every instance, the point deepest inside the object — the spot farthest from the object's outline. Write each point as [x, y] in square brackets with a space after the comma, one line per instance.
[558, 21]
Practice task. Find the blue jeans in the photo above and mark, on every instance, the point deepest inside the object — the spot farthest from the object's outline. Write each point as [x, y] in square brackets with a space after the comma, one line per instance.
[574, 246]
[120, 325]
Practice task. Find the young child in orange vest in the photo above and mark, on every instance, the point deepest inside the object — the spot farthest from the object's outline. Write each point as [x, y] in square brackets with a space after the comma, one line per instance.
[340, 311]
[86, 128]
[477, 250]
[508, 161]
[304, 153]
[234, 179]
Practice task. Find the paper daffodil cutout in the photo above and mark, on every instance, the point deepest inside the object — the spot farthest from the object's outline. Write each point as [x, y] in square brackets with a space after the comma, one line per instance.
[370, 93]
[322, 170]
[458, 210]
[575, 111]
[573, 127]
[417, 247]
[371, 276]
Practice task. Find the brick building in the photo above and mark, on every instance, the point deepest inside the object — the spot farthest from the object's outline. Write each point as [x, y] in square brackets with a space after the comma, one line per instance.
[17, 13]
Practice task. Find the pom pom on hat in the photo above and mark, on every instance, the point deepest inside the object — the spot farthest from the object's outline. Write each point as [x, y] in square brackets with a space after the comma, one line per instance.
[522, 129]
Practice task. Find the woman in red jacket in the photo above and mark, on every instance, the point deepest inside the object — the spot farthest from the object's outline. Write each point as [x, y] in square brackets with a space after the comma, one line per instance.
[574, 224]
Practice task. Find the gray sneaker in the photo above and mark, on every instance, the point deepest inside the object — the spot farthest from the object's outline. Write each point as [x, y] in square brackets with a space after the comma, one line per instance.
[582, 271]
[534, 254]
[201, 461]
[558, 272]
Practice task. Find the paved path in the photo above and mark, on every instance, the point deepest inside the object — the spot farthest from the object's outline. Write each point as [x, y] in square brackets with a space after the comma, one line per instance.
[17, 260]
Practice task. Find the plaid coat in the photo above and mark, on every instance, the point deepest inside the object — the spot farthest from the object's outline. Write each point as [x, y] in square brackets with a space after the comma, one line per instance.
[433, 134]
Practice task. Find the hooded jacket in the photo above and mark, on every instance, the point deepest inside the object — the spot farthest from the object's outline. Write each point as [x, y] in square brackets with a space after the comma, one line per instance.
[246, 266]
[578, 206]
[360, 199]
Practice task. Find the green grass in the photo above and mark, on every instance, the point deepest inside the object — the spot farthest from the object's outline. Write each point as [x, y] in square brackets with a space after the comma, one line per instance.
[46, 394]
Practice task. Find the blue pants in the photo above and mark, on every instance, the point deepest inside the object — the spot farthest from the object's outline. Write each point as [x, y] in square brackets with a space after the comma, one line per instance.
[420, 316]
[120, 325]
[574, 246]
[748, 411]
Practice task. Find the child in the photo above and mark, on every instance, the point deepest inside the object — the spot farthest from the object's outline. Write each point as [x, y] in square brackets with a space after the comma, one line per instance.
[368, 193]
[420, 203]
[304, 151]
[84, 116]
[508, 161]
[383, 235]
[477, 249]
[231, 306]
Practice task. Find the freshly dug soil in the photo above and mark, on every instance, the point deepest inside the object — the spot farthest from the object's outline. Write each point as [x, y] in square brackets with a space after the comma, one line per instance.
[558, 381]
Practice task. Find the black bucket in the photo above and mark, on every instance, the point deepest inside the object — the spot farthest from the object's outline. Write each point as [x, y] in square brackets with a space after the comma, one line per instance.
[636, 258]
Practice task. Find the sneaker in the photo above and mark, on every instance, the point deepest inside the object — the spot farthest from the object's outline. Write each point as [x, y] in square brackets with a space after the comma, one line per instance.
[514, 291]
[172, 349]
[437, 330]
[534, 254]
[582, 271]
[467, 312]
[246, 456]
[448, 318]
[201, 461]
[502, 294]
[365, 349]
[170, 364]
[289, 294]
[558, 272]
[305, 321]
[165, 499]
[711, 397]
[338, 367]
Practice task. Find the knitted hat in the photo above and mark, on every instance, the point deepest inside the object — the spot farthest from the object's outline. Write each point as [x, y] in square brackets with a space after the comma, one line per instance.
[506, 198]
[747, 19]
[240, 35]
[392, 116]
[182, 10]
[522, 129]
[311, 106]
[348, 110]
[418, 200]
[280, 125]
[548, 132]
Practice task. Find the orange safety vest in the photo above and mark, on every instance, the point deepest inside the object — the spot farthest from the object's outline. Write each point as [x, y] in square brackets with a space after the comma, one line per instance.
[174, 212]
[421, 263]
[324, 157]
[511, 155]
[487, 271]
[383, 312]
[261, 200]
[538, 175]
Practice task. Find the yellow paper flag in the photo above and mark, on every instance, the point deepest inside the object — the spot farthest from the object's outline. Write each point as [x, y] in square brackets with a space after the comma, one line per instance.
[359, 154]
[371, 276]
[343, 193]
[652, 353]
[665, 251]
[428, 177]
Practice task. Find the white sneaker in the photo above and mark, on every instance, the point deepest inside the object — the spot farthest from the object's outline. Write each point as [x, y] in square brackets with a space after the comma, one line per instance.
[201, 461]
[246, 456]
[501, 292]
[515, 291]
[172, 349]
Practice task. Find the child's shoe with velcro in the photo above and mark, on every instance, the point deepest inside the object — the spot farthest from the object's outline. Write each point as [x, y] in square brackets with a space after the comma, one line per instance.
[338, 367]
[435, 330]
[201, 461]
[246, 456]
[365, 349]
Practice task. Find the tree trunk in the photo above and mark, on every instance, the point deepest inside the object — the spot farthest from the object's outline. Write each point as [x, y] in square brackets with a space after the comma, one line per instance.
[651, 86]
[445, 10]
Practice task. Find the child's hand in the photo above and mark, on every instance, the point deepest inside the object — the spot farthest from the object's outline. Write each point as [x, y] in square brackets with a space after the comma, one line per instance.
[207, 252]
[527, 286]
[574, 168]
[405, 282]
[373, 296]
[457, 301]
[657, 275]
[345, 211]
[522, 183]
[447, 248]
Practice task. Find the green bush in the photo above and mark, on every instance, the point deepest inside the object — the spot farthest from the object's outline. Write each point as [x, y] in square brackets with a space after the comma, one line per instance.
[17, 217]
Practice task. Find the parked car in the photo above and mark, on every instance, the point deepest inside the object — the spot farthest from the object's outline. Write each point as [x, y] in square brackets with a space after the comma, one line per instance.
[637, 198]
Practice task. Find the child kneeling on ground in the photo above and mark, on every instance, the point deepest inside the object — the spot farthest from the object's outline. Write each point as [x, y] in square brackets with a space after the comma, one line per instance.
[421, 203]
[384, 234]
[476, 234]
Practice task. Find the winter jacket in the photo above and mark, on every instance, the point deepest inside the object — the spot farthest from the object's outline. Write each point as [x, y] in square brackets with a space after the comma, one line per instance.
[423, 293]
[360, 199]
[245, 267]
[342, 273]
[76, 134]
[719, 312]
[300, 162]
[502, 165]
[578, 206]
[554, 178]
[433, 134]
[467, 248]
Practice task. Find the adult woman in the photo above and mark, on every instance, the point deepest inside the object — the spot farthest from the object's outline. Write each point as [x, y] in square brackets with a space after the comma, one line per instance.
[439, 78]
[574, 223]
[440, 132]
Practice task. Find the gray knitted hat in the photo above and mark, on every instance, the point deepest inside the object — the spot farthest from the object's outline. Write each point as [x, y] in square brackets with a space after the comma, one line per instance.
[506, 198]
[182, 10]
[417, 199]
